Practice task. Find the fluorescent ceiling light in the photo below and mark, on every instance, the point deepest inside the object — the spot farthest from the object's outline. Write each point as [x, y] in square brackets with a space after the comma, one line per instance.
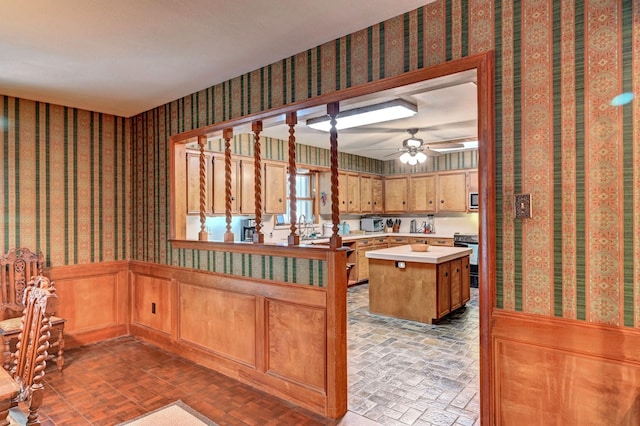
[386, 111]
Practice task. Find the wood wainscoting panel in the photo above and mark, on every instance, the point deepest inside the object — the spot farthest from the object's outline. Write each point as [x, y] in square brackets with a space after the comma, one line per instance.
[94, 299]
[296, 342]
[151, 305]
[88, 302]
[562, 372]
[219, 320]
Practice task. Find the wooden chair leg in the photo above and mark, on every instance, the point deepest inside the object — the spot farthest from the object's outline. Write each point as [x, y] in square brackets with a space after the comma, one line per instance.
[60, 357]
[7, 352]
[35, 401]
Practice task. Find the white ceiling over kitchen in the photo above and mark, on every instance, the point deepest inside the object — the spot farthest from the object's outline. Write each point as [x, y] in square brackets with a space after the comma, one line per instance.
[124, 57]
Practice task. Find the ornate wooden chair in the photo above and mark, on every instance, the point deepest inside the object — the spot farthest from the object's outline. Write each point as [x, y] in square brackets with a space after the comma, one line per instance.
[17, 267]
[30, 358]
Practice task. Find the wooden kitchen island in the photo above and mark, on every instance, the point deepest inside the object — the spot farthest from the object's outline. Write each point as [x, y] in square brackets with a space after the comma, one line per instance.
[418, 286]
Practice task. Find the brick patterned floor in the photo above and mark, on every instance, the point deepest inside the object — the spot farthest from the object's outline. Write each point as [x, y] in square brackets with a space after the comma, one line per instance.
[400, 373]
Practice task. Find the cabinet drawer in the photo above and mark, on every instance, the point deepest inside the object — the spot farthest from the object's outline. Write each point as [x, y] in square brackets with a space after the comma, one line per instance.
[441, 242]
[417, 240]
[398, 240]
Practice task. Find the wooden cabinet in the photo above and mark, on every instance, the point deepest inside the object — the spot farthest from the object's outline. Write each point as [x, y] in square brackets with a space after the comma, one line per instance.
[366, 205]
[247, 186]
[395, 194]
[456, 284]
[423, 292]
[275, 190]
[452, 191]
[353, 193]
[377, 198]
[219, 182]
[422, 194]
[362, 263]
[472, 181]
[193, 182]
[443, 289]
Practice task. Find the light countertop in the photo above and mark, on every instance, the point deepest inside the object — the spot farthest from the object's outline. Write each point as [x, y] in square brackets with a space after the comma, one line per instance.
[436, 254]
[353, 237]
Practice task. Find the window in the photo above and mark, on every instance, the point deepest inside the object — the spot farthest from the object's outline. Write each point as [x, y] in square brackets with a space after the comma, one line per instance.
[306, 206]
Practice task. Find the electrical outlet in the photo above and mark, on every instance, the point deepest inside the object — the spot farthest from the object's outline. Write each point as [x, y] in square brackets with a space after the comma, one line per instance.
[523, 206]
[400, 265]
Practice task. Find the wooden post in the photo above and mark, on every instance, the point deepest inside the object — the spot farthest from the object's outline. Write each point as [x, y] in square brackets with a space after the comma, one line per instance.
[203, 235]
[256, 126]
[292, 120]
[335, 241]
[227, 134]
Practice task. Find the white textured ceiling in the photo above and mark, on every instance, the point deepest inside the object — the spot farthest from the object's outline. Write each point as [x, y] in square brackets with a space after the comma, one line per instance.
[124, 57]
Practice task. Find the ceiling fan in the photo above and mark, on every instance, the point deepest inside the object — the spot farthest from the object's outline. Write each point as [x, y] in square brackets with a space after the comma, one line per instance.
[415, 151]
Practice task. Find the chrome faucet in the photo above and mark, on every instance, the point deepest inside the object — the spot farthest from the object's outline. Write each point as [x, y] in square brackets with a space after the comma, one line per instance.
[302, 221]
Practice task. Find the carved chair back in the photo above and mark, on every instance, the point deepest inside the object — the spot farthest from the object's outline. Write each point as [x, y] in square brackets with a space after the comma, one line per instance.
[17, 267]
[30, 359]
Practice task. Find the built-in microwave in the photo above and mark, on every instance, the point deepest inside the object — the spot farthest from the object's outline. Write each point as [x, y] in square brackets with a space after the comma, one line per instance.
[372, 224]
[474, 201]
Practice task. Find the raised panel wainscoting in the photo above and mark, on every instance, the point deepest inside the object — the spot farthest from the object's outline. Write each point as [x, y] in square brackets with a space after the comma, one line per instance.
[552, 371]
[94, 299]
[287, 338]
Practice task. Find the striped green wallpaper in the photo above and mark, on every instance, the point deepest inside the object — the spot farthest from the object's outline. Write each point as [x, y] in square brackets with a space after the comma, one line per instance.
[65, 182]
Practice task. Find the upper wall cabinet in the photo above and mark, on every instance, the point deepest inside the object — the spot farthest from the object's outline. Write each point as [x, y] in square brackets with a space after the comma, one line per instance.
[275, 189]
[219, 185]
[193, 182]
[395, 194]
[422, 194]
[452, 191]
[377, 194]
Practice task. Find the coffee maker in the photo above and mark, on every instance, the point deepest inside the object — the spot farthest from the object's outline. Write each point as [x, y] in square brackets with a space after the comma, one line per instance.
[248, 229]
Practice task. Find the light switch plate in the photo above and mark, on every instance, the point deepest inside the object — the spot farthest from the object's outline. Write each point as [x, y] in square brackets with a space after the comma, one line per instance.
[523, 206]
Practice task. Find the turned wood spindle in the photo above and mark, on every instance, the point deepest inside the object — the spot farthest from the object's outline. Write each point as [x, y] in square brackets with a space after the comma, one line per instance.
[335, 241]
[292, 120]
[256, 126]
[227, 134]
[203, 235]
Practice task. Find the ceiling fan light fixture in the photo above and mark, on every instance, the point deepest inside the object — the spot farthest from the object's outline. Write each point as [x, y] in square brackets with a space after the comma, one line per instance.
[404, 158]
[421, 157]
[413, 142]
[412, 161]
[370, 114]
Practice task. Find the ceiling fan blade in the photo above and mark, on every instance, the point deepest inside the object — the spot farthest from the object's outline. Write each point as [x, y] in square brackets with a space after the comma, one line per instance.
[431, 153]
[392, 154]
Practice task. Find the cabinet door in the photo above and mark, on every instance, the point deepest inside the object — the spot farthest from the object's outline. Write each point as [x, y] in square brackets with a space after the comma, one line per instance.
[395, 194]
[247, 187]
[343, 193]
[377, 199]
[193, 183]
[219, 184]
[465, 284]
[452, 192]
[444, 289]
[274, 184]
[365, 194]
[456, 284]
[353, 193]
[422, 194]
